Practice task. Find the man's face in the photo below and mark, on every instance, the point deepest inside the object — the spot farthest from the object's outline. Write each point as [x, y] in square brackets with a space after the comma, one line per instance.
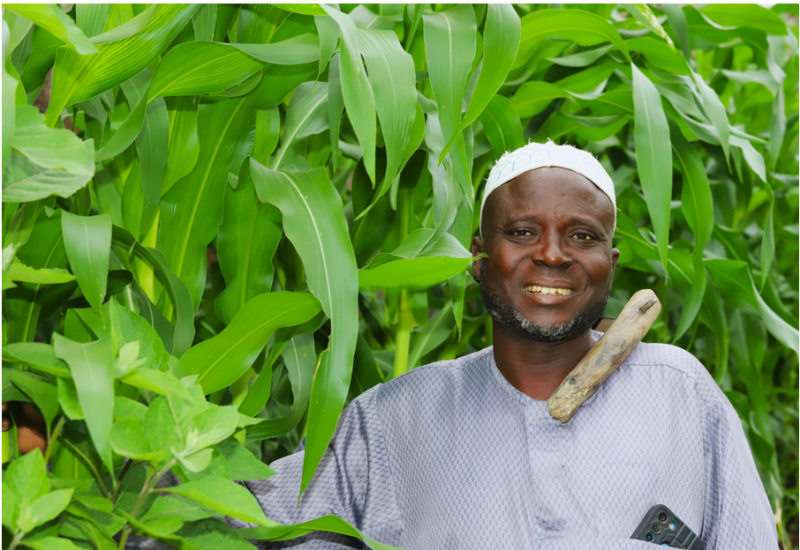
[547, 234]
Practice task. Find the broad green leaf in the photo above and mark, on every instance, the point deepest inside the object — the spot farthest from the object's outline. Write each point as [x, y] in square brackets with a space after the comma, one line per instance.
[126, 133]
[257, 23]
[306, 115]
[43, 509]
[24, 481]
[659, 54]
[37, 356]
[10, 85]
[191, 210]
[449, 51]
[180, 299]
[18, 271]
[221, 360]
[43, 392]
[128, 408]
[246, 242]
[356, 90]
[413, 273]
[87, 240]
[366, 19]
[391, 74]
[68, 399]
[502, 126]
[151, 145]
[52, 18]
[501, 42]
[313, 221]
[128, 438]
[301, 363]
[178, 508]
[77, 77]
[93, 372]
[223, 496]
[582, 27]
[648, 19]
[51, 543]
[305, 9]
[582, 59]
[126, 29]
[127, 327]
[534, 97]
[243, 465]
[184, 146]
[335, 107]
[44, 161]
[696, 199]
[331, 524]
[716, 112]
[652, 138]
[328, 32]
[213, 425]
[745, 15]
[92, 18]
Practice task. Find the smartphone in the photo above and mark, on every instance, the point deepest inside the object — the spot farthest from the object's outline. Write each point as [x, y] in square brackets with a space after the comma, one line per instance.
[661, 526]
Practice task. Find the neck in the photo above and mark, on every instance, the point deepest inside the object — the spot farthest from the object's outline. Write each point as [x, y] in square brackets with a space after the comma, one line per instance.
[536, 368]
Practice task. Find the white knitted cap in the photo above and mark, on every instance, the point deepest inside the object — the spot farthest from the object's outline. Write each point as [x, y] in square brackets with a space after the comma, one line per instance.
[542, 155]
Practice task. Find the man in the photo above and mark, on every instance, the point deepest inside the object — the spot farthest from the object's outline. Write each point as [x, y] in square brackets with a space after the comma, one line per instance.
[464, 454]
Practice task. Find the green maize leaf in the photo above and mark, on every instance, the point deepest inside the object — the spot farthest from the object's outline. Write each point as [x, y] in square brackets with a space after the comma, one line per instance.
[258, 23]
[221, 360]
[335, 106]
[759, 77]
[768, 240]
[301, 363]
[77, 77]
[745, 15]
[582, 59]
[151, 145]
[191, 210]
[92, 18]
[184, 143]
[331, 524]
[696, 199]
[391, 73]
[648, 19]
[328, 32]
[126, 133]
[18, 271]
[87, 241]
[246, 242]
[44, 161]
[366, 19]
[313, 221]
[203, 23]
[180, 298]
[215, 67]
[413, 273]
[224, 496]
[307, 115]
[450, 50]
[502, 126]
[432, 335]
[36, 356]
[268, 130]
[534, 97]
[777, 129]
[356, 90]
[93, 372]
[52, 18]
[652, 138]
[9, 104]
[127, 29]
[715, 111]
[659, 54]
[501, 42]
[304, 9]
[582, 27]
[677, 21]
[755, 160]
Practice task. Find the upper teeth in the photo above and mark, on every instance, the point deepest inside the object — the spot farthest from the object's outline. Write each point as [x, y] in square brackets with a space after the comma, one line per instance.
[547, 290]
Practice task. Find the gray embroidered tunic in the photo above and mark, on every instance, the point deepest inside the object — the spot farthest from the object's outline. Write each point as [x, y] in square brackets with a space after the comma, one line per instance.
[452, 456]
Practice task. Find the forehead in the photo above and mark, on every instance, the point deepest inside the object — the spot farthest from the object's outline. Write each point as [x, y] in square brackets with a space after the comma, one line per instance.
[549, 192]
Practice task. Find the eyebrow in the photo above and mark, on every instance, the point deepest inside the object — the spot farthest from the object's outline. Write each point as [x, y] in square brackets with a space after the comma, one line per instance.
[578, 221]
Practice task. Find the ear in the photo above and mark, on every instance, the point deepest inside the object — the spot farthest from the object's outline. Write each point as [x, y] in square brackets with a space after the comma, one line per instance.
[614, 258]
[477, 248]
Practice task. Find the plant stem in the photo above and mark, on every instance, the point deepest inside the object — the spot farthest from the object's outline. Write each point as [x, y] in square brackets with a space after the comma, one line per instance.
[15, 542]
[146, 490]
[53, 437]
[403, 337]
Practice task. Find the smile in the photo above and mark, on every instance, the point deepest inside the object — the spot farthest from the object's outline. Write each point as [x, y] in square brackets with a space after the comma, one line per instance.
[535, 289]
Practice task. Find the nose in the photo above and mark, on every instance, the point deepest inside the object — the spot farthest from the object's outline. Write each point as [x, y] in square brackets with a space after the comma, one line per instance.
[549, 251]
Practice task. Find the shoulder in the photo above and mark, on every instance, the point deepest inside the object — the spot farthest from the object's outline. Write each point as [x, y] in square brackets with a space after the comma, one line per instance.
[680, 365]
[435, 380]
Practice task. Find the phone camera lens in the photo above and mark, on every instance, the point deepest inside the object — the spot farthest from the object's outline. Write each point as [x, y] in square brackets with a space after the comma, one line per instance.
[662, 517]
[671, 526]
[650, 537]
[656, 528]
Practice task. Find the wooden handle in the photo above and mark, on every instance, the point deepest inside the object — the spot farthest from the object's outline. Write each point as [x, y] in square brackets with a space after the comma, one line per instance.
[606, 355]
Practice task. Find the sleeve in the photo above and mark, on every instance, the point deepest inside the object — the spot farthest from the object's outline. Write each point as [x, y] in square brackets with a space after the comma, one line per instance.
[737, 510]
[352, 480]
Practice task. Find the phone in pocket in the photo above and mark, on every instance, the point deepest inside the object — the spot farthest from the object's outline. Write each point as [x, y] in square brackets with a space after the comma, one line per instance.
[661, 526]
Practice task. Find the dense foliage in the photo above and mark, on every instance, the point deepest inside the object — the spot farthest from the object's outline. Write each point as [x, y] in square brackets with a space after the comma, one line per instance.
[233, 219]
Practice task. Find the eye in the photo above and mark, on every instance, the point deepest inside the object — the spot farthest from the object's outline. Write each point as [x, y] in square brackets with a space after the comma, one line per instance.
[521, 233]
[582, 237]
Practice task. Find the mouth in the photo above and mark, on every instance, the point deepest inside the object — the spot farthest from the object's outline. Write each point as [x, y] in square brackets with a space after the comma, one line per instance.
[549, 291]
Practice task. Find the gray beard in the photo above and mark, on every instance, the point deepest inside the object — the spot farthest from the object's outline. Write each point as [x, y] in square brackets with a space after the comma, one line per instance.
[505, 313]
